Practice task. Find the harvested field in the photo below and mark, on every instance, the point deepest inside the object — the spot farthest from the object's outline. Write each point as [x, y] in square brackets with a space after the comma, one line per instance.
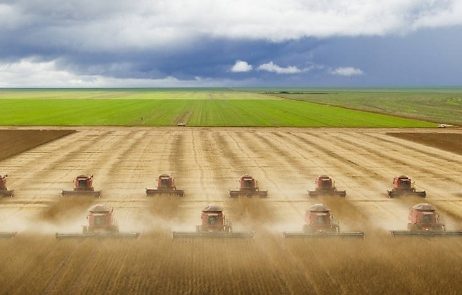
[207, 163]
[451, 142]
[18, 141]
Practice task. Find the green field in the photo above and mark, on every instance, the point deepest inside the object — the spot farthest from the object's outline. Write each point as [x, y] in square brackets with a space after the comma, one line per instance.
[436, 105]
[169, 107]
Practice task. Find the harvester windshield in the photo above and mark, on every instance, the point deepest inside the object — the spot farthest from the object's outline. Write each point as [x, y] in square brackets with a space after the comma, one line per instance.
[248, 183]
[165, 182]
[325, 183]
[100, 220]
[82, 183]
[213, 219]
[321, 219]
[405, 183]
[428, 218]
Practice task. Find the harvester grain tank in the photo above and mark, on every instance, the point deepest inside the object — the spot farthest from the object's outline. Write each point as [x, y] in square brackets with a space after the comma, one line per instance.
[166, 186]
[83, 186]
[214, 224]
[248, 187]
[101, 224]
[320, 223]
[403, 185]
[325, 186]
[424, 220]
[4, 192]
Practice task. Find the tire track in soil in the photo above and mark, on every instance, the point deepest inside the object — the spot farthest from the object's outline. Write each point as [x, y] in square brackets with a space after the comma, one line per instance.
[272, 266]
[390, 141]
[397, 208]
[349, 212]
[409, 201]
[60, 209]
[312, 140]
[214, 157]
[402, 158]
[390, 210]
[255, 209]
[128, 176]
[48, 163]
[341, 207]
[204, 178]
[169, 208]
[257, 144]
[277, 247]
[56, 207]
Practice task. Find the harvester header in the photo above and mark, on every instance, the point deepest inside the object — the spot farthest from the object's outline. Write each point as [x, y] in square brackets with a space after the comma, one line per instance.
[101, 224]
[424, 220]
[404, 186]
[83, 186]
[248, 187]
[325, 186]
[165, 186]
[214, 224]
[320, 223]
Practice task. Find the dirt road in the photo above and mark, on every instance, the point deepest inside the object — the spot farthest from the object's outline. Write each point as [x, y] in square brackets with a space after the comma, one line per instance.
[207, 163]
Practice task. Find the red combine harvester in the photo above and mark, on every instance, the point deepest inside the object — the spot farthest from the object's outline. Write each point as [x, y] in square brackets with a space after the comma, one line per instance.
[325, 186]
[165, 185]
[101, 224]
[424, 221]
[403, 185]
[83, 186]
[4, 192]
[320, 223]
[249, 188]
[214, 225]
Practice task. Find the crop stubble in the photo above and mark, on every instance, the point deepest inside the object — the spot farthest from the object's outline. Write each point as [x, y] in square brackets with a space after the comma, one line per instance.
[207, 163]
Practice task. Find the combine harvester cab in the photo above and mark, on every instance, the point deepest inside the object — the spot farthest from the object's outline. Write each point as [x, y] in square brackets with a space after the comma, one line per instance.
[404, 186]
[4, 192]
[165, 186]
[83, 186]
[214, 225]
[248, 186]
[101, 224]
[424, 221]
[325, 186]
[320, 223]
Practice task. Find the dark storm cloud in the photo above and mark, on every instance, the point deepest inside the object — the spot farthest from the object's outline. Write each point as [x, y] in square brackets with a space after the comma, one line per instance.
[284, 43]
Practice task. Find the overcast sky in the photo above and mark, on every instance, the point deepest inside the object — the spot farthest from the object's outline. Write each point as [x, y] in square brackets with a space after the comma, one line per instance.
[238, 43]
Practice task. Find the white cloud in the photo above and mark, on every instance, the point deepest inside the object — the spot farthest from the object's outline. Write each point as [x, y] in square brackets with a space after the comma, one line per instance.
[241, 67]
[346, 71]
[105, 25]
[33, 73]
[274, 68]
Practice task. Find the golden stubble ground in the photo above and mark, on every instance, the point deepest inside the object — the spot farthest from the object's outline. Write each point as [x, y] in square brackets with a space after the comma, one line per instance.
[207, 164]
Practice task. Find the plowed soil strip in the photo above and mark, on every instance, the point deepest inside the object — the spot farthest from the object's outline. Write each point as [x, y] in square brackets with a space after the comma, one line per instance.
[451, 142]
[17, 141]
